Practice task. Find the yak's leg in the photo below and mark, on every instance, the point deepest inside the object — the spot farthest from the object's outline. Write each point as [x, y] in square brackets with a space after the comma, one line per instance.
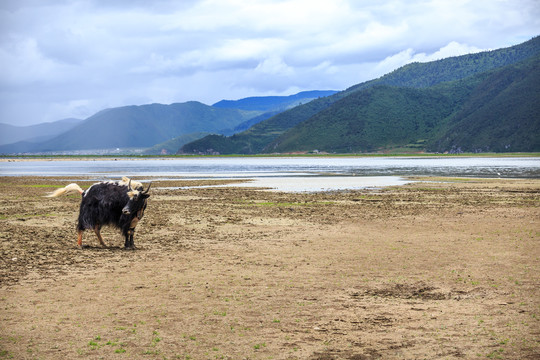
[129, 235]
[129, 245]
[79, 238]
[98, 234]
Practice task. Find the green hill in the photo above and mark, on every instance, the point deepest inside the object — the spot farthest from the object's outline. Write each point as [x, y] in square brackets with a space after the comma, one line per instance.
[493, 111]
[262, 136]
[381, 116]
[502, 114]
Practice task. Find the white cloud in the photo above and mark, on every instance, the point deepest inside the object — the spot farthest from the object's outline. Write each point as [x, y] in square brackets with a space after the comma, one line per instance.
[274, 66]
[72, 58]
[408, 56]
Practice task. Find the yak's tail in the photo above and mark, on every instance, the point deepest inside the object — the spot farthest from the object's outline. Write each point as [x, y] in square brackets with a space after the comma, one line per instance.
[71, 188]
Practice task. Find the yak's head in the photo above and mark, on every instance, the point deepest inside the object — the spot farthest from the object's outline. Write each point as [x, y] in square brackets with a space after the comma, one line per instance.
[137, 201]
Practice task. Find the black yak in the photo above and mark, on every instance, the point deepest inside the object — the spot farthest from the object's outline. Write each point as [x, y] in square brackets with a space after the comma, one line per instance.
[120, 204]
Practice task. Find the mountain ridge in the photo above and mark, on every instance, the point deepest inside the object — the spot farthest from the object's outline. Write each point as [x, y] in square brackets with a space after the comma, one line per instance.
[266, 124]
[260, 137]
[273, 103]
[477, 114]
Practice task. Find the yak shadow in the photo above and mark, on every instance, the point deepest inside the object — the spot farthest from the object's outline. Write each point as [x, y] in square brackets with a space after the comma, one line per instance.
[99, 248]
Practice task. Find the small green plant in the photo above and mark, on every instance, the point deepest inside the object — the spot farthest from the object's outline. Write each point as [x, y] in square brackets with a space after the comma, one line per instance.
[259, 346]
[120, 351]
[151, 352]
[4, 353]
[495, 354]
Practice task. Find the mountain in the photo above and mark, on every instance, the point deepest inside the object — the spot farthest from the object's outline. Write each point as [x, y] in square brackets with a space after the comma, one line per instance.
[35, 133]
[257, 137]
[493, 111]
[368, 120]
[142, 126]
[269, 106]
[155, 125]
[265, 106]
[262, 136]
[249, 123]
[501, 114]
[273, 103]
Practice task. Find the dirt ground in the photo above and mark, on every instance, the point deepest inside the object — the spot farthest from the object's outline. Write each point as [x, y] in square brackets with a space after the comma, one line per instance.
[430, 270]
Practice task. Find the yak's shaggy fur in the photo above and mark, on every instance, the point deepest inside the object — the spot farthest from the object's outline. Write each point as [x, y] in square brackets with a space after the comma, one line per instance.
[120, 204]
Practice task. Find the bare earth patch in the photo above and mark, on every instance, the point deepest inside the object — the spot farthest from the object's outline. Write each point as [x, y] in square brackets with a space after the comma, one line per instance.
[446, 270]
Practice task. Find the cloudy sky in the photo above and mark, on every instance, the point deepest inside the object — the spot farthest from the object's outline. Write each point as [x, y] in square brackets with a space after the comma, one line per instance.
[72, 58]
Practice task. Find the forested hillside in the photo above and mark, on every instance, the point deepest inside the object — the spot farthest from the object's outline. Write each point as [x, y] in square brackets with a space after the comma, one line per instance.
[417, 76]
[502, 114]
[493, 111]
[367, 121]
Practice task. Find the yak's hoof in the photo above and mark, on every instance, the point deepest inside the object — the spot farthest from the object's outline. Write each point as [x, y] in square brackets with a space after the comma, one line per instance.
[132, 247]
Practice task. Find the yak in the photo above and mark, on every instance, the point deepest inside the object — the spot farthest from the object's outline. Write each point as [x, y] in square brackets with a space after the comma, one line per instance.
[119, 204]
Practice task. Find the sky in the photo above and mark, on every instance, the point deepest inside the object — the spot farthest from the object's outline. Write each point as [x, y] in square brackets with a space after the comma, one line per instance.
[73, 58]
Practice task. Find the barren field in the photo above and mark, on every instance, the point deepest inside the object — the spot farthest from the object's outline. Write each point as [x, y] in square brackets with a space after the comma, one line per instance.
[430, 270]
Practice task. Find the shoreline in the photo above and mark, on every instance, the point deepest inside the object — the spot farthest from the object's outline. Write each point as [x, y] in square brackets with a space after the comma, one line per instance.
[14, 158]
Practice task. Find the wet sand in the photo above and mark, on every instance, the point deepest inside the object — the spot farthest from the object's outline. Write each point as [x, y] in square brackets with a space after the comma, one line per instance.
[447, 270]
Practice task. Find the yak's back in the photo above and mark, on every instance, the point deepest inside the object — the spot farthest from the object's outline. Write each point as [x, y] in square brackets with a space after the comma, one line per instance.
[107, 191]
[111, 188]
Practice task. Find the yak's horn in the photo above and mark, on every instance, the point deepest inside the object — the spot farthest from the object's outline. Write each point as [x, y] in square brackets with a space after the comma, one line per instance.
[146, 192]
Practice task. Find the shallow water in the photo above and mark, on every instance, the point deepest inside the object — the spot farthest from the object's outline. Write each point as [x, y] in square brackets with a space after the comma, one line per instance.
[314, 183]
[287, 174]
[528, 167]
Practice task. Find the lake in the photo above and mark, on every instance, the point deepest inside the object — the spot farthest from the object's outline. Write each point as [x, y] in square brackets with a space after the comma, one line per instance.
[298, 173]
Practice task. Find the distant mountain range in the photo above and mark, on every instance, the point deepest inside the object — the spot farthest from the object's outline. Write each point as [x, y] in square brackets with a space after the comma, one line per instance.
[35, 133]
[487, 101]
[273, 103]
[160, 128]
[482, 102]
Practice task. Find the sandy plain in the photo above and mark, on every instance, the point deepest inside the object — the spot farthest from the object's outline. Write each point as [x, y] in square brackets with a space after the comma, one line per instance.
[429, 270]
